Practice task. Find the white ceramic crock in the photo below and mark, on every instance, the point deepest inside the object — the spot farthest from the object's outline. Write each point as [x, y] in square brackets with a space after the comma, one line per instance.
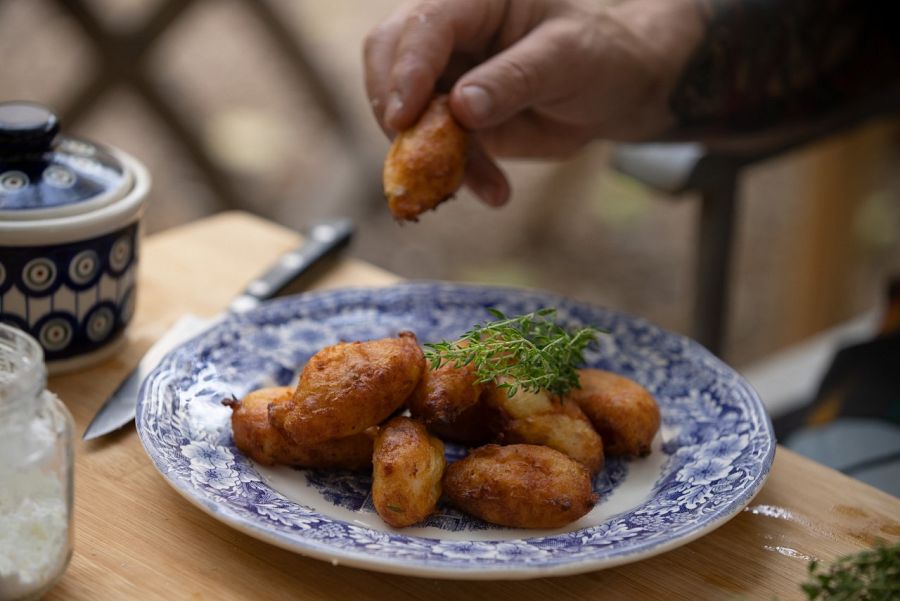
[70, 213]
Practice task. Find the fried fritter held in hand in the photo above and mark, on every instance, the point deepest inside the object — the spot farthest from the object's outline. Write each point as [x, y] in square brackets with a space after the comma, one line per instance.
[623, 412]
[350, 386]
[522, 486]
[426, 163]
[262, 442]
[536, 418]
[448, 400]
[408, 466]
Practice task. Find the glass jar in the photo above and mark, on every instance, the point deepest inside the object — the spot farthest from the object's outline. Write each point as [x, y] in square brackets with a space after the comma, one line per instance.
[35, 472]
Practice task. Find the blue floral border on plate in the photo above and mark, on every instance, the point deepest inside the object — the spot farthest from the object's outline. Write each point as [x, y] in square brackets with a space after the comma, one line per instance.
[719, 440]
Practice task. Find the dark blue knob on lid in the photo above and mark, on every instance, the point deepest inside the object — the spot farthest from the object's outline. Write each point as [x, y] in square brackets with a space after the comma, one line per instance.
[26, 127]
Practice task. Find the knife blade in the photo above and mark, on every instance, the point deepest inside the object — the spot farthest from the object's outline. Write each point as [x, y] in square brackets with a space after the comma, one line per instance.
[320, 242]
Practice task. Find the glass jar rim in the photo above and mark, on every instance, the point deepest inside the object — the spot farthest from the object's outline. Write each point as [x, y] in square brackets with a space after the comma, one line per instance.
[22, 371]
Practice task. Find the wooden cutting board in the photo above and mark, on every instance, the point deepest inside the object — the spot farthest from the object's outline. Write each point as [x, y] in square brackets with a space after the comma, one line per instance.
[136, 538]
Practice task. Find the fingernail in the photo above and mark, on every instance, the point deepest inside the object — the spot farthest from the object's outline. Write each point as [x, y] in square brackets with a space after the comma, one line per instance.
[478, 101]
[394, 107]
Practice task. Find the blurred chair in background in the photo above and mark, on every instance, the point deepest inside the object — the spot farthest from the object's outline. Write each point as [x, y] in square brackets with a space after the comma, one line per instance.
[714, 172]
[852, 423]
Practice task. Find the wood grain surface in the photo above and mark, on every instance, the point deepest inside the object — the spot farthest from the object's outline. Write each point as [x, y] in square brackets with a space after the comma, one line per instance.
[136, 538]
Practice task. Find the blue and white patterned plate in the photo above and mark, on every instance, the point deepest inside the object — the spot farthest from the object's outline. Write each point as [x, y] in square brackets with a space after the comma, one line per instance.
[712, 454]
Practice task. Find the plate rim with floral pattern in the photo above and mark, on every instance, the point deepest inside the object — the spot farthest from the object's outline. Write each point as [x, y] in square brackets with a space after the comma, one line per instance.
[719, 441]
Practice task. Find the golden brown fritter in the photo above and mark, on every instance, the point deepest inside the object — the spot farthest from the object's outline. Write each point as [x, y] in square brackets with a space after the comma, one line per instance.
[567, 430]
[251, 430]
[522, 404]
[259, 440]
[408, 466]
[426, 163]
[523, 486]
[448, 400]
[538, 418]
[348, 387]
[623, 412]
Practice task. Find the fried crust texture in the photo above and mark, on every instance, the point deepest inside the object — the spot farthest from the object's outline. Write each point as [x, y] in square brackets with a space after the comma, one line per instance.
[538, 418]
[348, 387]
[622, 411]
[258, 439]
[408, 467]
[425, 164]
[521, 486]
[448, 400]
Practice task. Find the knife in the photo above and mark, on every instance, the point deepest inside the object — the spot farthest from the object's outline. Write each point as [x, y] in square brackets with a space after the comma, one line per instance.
[321, 241]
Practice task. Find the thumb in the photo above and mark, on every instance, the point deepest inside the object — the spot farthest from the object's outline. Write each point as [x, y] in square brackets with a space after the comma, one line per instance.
[528, 72]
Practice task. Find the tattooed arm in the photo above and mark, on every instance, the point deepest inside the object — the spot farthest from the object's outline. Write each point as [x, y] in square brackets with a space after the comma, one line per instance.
[766, 63]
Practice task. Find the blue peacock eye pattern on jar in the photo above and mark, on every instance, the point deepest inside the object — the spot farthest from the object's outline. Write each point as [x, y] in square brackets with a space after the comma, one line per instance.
[73, 297]
[100, 322]
[58, 177]
[120, 254]
[13, 181]
[39, 274]
[84, 268]
[55, 331]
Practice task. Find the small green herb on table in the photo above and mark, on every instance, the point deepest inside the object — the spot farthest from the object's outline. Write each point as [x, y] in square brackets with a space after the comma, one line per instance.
[870, 575]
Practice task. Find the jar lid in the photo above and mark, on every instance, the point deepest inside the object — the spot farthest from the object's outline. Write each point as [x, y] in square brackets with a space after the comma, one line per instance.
[46, 175]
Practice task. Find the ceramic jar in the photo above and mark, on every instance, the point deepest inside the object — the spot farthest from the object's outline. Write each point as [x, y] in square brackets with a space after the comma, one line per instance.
[70, 214]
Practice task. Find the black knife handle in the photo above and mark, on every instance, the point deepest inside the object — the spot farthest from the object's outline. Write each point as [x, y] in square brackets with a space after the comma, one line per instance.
[323, 239]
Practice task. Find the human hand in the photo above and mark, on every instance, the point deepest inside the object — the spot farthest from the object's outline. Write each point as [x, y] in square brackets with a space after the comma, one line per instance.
[531, 78]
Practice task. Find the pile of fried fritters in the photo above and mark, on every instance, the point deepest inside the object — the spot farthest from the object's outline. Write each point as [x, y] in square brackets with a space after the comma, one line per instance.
[532, 456]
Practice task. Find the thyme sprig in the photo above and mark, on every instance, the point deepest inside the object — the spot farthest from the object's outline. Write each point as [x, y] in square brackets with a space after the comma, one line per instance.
[872, 575]
[529, 352]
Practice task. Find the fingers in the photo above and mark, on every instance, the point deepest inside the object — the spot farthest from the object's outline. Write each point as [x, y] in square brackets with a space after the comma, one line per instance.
[485, 178]
[405, 56]
[530, 71]
[378, 58]
[422, 53]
